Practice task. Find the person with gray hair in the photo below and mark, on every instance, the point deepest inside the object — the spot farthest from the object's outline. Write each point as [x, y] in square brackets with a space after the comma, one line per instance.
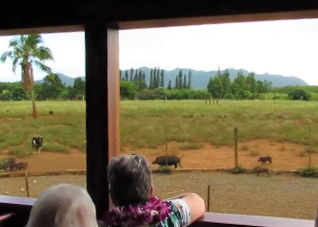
[63, 205]
[134, 204]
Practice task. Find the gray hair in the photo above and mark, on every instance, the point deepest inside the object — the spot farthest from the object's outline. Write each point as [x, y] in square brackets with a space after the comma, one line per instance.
[130, 180]
[63, 205]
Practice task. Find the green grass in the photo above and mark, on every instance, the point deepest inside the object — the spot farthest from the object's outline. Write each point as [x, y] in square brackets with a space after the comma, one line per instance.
[143, 123]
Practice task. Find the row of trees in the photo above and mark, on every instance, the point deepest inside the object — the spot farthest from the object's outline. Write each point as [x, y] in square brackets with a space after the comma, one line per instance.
[219, 87]
[243, 87]
[52, 88]
[156, 79]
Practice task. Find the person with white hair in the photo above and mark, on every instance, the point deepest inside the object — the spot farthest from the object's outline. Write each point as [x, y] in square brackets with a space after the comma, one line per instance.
[134, 204]
[63, 205]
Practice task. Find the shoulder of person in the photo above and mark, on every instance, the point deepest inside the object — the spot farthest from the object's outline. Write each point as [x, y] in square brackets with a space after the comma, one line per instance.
[181, 210]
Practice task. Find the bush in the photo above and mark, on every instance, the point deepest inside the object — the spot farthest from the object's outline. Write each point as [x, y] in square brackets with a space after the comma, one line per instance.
[165, 169]
[299, 94]
[55, 147]
[281, 97]
[2, 161]
[309, 172]
[238, 169]
[19, 152]
[229, 96]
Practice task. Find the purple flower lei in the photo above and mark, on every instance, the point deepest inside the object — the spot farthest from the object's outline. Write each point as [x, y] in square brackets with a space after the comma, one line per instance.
[154, 211]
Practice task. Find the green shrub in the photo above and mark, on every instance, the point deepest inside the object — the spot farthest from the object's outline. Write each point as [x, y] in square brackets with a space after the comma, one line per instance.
[229, 96]
[165, 169]
[309, 172]
[19, 152]
[238, 169]
[55, 147]
[2, 161]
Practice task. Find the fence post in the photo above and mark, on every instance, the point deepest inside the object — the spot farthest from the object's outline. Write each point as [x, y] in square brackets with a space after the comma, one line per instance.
[309, 149]
[235, 148]
[27, 183]
[208, 205]
[166, 139]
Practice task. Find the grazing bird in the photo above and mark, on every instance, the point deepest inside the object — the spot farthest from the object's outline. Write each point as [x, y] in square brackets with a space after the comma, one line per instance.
[265, 159]
[37, 143]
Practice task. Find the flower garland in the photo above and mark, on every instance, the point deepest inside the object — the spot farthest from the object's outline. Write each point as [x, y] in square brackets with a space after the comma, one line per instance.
[154, 211]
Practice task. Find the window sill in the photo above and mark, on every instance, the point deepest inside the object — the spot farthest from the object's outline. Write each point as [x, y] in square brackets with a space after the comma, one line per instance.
[22, 206]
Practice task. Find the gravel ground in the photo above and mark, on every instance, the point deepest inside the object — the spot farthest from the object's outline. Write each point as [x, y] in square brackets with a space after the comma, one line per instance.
[281, 196]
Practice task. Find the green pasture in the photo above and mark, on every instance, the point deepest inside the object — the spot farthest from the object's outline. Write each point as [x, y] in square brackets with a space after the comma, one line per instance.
[144, 123]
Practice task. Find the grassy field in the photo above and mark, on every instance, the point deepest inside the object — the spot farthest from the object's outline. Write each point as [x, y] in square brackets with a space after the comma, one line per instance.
[285, 129]
[280, 196]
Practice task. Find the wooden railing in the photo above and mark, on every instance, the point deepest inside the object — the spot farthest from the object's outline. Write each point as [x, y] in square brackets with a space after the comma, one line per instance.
[14, 211]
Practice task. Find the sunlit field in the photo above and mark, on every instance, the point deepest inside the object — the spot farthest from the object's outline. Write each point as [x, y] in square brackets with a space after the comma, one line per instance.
[203, 133]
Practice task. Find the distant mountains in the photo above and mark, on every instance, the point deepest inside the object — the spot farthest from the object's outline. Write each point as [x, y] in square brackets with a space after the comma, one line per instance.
[69, 81]
[200, 78]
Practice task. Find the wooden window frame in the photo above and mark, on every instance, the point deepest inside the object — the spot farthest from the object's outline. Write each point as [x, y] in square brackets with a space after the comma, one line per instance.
[103, 111]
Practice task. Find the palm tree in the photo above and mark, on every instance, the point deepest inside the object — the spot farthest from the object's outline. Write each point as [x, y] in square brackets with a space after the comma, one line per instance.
[26, 51]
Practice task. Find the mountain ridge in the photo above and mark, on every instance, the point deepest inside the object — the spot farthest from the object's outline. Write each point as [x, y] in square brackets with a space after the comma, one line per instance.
[200, 78]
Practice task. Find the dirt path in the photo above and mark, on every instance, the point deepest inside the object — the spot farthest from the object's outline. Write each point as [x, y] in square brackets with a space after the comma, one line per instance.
[49, 161]
[286, 156]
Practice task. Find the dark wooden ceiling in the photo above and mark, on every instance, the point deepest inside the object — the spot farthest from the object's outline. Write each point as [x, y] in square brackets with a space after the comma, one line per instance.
[133, 14]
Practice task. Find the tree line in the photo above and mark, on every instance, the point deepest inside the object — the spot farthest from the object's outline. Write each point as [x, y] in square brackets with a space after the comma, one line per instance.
[52, 88]
[134, 85]
[242, 87]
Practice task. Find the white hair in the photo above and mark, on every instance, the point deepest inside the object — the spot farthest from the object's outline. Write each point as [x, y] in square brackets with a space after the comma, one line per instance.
[63, 205]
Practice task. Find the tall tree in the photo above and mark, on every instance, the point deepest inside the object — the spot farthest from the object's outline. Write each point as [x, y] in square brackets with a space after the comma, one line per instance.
[144, 77]
[180, 79]
[79, 87]
[215, 87]
[189, 79]
[185, 84]
[151, 82]
[26, 51]
[250, 82]
[126, 75]
[120, 74]
[131, 74]
[54, 86]
[176, 82]
[154, 85]
[169, 85]
[226, 82]
[136, 76]
[162, 78]
[140, 76]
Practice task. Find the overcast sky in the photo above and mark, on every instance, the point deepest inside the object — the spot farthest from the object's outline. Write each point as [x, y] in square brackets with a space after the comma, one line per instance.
[288, 48]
